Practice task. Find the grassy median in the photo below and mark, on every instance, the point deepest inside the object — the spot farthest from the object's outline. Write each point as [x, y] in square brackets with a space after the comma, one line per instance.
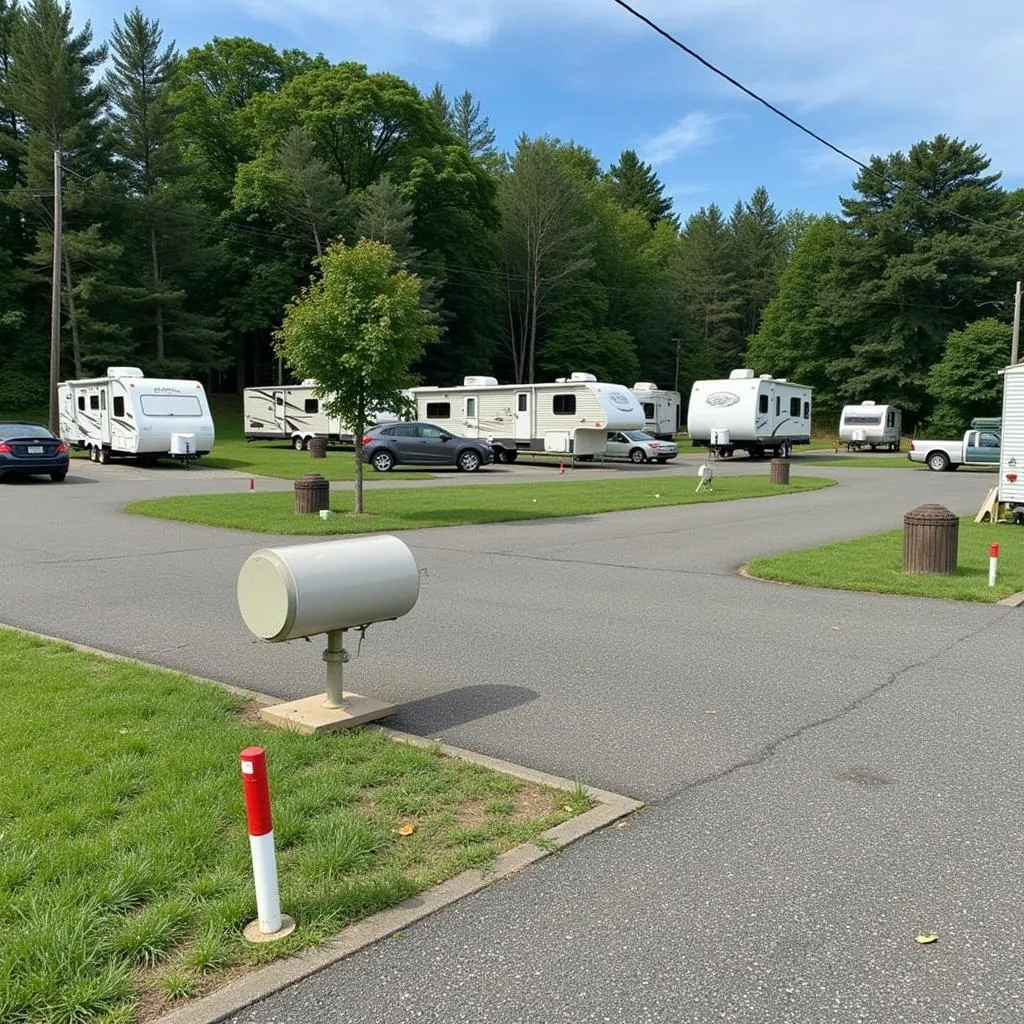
[125, 877]
[415, 508]
[875, 564]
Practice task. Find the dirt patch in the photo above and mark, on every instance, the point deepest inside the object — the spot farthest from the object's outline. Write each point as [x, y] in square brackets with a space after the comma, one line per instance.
[531, 802]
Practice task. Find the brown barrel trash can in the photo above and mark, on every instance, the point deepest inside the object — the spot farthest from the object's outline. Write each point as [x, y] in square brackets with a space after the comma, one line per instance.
[312, 494]
[318, 447]
[780, 471]
[931, 534]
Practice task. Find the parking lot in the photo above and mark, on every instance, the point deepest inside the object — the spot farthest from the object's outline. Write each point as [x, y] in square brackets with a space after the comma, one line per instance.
[828, 774]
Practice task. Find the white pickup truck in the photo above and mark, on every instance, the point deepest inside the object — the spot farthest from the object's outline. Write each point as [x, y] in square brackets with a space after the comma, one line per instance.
[978, 448]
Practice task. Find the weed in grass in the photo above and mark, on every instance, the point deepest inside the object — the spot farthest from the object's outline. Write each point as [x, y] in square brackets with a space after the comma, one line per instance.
[150, 935]
[579, 799]
[209, 952]
[502, 808]
[179, 985]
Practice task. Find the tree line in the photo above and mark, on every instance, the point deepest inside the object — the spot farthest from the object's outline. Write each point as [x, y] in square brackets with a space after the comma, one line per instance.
[200, 188]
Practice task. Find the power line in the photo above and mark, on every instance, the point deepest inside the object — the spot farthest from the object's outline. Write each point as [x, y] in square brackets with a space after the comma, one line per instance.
[801, 127]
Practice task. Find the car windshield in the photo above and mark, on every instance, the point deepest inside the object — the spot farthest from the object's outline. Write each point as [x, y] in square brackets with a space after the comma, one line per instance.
[637, 435]
[23, 430]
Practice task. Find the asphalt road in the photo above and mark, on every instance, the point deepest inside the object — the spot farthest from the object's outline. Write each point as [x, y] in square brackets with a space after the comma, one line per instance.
[828, 774]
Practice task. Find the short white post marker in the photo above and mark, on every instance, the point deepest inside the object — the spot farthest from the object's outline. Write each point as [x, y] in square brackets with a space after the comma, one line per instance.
[993, 558]
[270, 924]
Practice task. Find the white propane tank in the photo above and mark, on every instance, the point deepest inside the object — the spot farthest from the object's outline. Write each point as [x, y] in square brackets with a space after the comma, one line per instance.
[183, 444]
[292, 592]
[719, 437]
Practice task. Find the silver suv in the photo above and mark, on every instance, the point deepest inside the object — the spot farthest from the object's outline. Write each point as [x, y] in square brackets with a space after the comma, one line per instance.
[423, 444]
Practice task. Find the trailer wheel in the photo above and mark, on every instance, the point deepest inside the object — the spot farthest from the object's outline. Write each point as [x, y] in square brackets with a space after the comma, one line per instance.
[104, 456]
[783, 450]
[511, 455]
[93, 457]
[637, 455]
[299, 443]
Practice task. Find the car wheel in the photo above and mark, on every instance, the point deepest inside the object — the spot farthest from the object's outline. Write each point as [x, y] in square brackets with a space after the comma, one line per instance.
[104, 456]
[93, 456]
[58, 476]
[938, 461]
[299, 444]
[468, 461]
[637, 455]
[382, 461]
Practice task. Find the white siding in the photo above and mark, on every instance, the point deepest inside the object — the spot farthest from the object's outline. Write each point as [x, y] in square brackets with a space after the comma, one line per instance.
[1011, 449]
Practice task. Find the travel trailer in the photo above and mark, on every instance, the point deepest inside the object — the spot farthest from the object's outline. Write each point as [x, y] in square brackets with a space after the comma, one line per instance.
[662, 409]
[758, 415]
[294, 412]
[870, 426]
[1011, 449]
[569, 416]
[126, 414]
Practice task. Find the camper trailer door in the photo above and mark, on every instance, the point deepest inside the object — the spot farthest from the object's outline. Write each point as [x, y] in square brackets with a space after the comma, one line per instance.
[472, 419]
[104, 415]
[278, 411]
[523, 424]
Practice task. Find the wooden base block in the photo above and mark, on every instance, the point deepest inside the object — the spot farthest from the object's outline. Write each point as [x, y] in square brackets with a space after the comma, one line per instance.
[309, 715]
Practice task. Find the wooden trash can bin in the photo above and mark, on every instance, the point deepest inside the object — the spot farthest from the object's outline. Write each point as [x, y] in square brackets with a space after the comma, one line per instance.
[318, 447]
[780, 471]
[931, 534]
[312, 494]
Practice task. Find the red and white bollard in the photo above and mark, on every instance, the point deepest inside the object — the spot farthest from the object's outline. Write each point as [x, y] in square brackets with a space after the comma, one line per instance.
[993, 558]
[270, 923]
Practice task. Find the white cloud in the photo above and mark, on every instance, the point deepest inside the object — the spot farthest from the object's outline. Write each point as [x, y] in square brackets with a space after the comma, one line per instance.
[687, 132]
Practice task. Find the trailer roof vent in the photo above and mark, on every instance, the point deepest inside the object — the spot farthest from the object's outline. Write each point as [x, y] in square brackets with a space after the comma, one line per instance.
[743, 374]
[867, 402]
[766, 376]
[645, 385]
[124, 371]
[782, 380]
[309, 382]
[583, 376]
[480, 382]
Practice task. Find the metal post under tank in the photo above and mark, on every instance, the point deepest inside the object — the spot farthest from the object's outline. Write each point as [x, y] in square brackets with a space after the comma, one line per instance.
[335, 656]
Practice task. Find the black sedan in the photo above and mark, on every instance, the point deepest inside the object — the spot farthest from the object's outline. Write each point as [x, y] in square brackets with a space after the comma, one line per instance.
[28, 449]
[423, 444]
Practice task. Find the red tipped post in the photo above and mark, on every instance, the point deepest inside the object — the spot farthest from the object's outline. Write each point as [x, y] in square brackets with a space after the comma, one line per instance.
[993, 559]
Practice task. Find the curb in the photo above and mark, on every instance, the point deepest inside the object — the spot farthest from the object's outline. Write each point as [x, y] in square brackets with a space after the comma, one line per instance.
[265, 981]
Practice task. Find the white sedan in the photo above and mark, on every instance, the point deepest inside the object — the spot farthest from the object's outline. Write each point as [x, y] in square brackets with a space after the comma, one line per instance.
[638, 446]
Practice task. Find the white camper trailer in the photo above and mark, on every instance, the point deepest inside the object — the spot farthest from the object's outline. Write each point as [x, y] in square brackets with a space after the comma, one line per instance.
[1011, 438]
[128, 414]
[663, 410]
[570, 416]
[869, 425]
[294, 412]
[755, 414]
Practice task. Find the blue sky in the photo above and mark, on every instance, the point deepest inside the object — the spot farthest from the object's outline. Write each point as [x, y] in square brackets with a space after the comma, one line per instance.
[872, 76]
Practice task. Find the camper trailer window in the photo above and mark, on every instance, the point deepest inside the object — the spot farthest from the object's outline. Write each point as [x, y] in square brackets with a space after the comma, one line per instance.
[279, 399]
[890, 420]
[859, 419]
[762, 404]
[470, 408]
[648, 410]
[521, 401]
[81, 402]
[807, 410]
[794, 407]
[312, 405]
[439, 410]
[119, 405]
[778, 405]
[563, 405]
[94, 401]
[170, 405]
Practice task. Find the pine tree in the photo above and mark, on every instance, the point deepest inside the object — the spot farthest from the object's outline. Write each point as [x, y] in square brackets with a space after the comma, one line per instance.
[634, 185]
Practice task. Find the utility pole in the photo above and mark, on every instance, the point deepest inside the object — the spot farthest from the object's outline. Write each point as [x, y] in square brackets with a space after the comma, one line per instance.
[1015, 348]
[55, 293]
[676, 340]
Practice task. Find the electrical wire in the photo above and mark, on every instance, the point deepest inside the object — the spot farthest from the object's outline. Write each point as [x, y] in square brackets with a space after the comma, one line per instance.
[891, 182]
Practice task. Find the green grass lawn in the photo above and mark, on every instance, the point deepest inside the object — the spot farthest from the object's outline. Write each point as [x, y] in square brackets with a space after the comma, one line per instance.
[125, 873]
[419, 507]
[874, 564]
